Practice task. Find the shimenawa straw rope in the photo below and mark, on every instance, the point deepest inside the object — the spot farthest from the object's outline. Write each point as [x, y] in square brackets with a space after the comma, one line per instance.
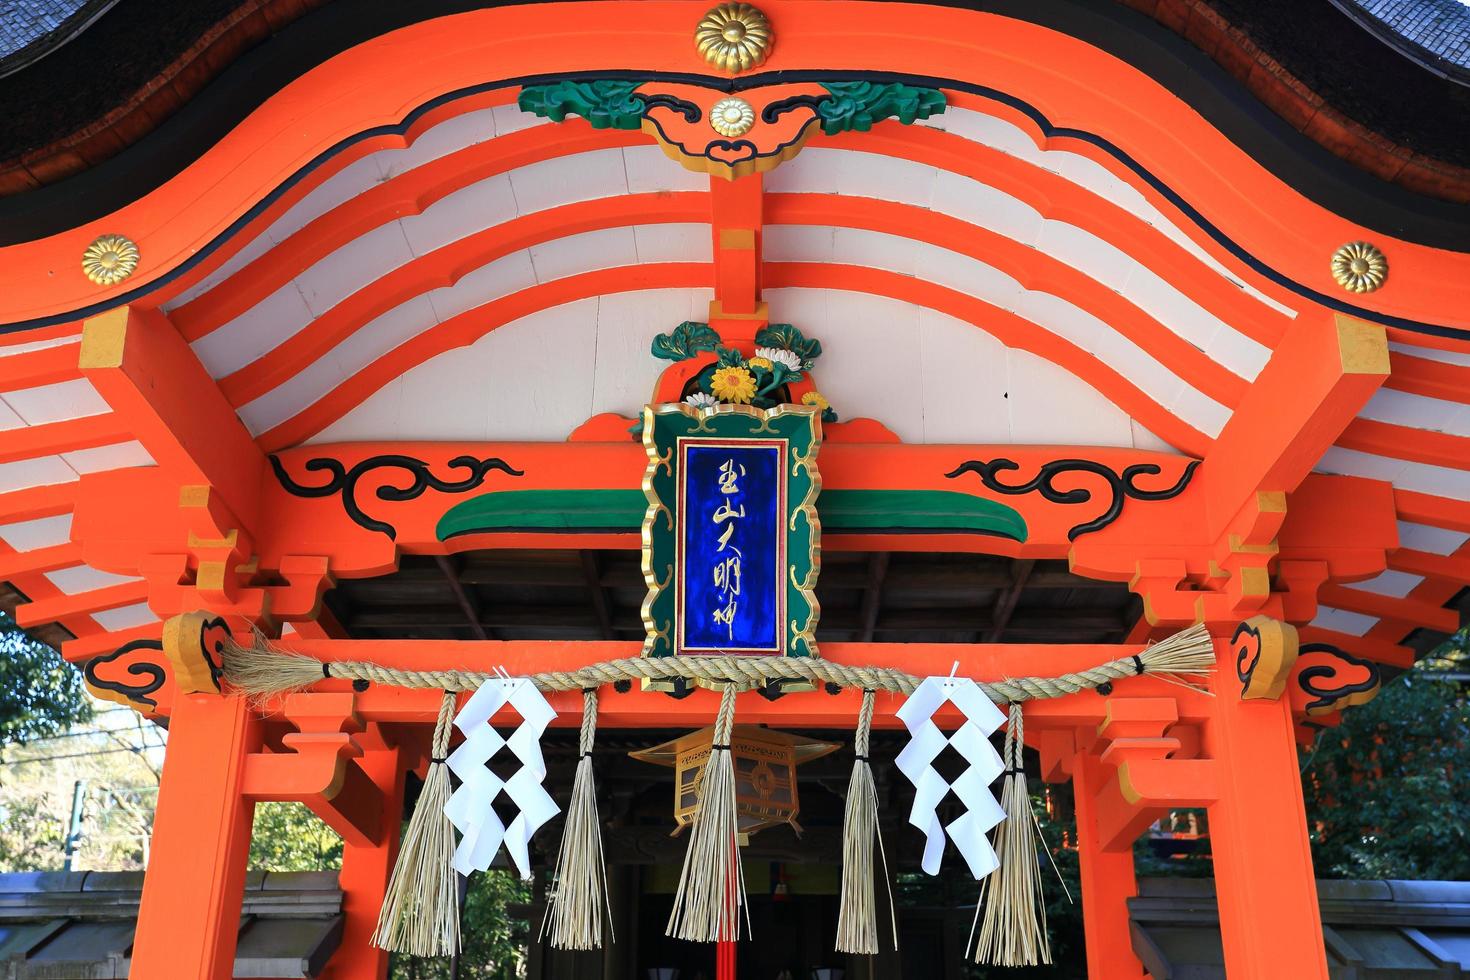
[857, 917]
[262, 671]
[420, 913]
[711, 889]
[1013, 930]
[579, 893]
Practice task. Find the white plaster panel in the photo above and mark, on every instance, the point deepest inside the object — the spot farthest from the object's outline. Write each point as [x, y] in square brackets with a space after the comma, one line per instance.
[1051, 407]
[650, 171]
[381, 334]
[337, 189]
[507, 274]
[797, 243]
[43, 532]
[42, 471]
[605, 249]
[297, 393]
[856, 246]
[861, 174]
[58, 402]
[9, 419]
[987, 207]
[114, 457]
[510, 119]
[247, 254]
[1390, 583]
[813, 171]
[1462, 358]
[963, 382]
[125, 617]
[443, 139]
[1418, 412]
[8, 349]
[1083, 250]
[1439, 481]
[624, 372]
[1343, 621]
[1144, 439]
[674, 243]
[264, 326]
[84, 578]
[361, 261]
[565, 180]
[471, 209]
[1426, 537]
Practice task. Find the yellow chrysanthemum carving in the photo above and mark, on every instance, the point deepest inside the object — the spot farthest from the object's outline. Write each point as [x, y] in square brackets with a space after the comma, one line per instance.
[109, 260]
[1359, 267]
[732, 384]
[815, 398]
[734, 37]
[760, 362]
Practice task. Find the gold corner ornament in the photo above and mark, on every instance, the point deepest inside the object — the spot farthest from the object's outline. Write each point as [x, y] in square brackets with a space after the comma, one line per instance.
[731, 117]
[1359, 267]
[109, 260]
[734, 37]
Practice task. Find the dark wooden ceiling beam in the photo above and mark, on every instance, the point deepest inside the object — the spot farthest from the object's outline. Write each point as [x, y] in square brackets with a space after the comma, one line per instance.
[873, 595]
[1005, 603]
[470, 609]
[600, 606]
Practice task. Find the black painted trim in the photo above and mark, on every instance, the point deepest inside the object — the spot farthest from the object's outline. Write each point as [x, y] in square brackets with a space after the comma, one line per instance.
[341, 480]
[137, 693]
[1123, 486]
[1327, 697]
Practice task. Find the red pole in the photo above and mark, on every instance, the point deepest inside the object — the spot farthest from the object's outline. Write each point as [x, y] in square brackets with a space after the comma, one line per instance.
[725, 960]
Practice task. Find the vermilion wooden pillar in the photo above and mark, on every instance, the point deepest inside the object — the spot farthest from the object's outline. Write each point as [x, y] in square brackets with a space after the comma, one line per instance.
[1107, 882]
[190, 915]
[1269, 918]
[364, 877]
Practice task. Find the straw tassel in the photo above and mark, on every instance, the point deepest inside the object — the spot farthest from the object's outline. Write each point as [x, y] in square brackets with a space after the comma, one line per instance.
[420, 913]
[857, 918]
[574, 908]
[711, 889]
[1013, 931]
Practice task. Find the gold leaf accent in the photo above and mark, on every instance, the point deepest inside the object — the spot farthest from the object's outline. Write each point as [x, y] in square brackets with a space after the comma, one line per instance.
[109, 260]
[734, 37]
[1359, 267]
[731, 117]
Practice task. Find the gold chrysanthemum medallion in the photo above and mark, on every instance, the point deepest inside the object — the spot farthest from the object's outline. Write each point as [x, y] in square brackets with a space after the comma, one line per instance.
[734, 37]
[1359, 267]
[109, 260]
[731, 117]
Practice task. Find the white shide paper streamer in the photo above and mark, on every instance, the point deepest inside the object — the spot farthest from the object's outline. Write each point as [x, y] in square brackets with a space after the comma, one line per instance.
[971, 740]
[469, 809]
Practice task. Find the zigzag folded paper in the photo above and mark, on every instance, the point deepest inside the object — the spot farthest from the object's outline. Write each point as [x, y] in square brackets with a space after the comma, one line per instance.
[469, 808]
[971, 740]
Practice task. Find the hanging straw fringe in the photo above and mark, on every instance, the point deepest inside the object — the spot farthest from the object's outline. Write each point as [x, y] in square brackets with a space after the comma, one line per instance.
[420, 913]
[574, 909]
[1013, 932]
[711, 889]
[263, 672]
[857, 919]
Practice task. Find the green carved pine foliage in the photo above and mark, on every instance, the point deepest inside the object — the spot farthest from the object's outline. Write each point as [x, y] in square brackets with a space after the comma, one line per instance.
[687, 340]
[858, 105]
[605, 103]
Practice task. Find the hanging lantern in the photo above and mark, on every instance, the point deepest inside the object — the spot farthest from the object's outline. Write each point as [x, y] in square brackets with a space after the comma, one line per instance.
[765, 773]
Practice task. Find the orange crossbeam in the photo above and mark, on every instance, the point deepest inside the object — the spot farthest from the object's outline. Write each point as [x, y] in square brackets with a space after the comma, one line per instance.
[1144, 789]
[1424, 508]
[50, 610]
[1432, 379]
[40, 559]
[42, 367]
[1412, 611]
[62, 437]
[1403, 442]
[1451, 569]
[1361, 646]
[36, 502]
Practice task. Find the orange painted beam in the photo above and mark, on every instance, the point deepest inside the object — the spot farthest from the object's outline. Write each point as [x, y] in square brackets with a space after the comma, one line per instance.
[40, 611]
[100, 642]
[1108, 880]
[1404, 442]
[1144, 790]
[1365, 647]
[1411, 612]
[1007, 327]
[40, 559]
[1432, 379]
[46, 366]
[66, 436]
[465, 328]
[1317, 380]
[408, 194]
[153, 381]
[1032, 268]
[1451, 568]
[446, 266]
[736, 221]
[37, 502]
[1423, 508]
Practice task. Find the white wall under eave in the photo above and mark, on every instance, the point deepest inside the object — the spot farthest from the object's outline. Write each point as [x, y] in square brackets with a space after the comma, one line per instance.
[929, 377]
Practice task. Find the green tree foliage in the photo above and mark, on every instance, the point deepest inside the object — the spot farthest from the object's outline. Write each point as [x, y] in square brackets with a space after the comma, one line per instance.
[40, 694]
[289, 837]
[1386, 790]
[495, 940]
